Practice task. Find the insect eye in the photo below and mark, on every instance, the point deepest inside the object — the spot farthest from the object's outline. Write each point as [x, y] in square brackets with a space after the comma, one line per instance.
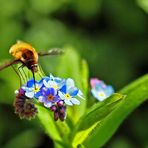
[24, 56]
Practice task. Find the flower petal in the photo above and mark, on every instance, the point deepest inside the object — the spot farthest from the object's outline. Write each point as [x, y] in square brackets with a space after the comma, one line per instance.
[39, 93]
[99, 95]
[42, 99]
[75, 101]
[45, 83]
[49, 91]
[70, 83]
[53, 84]
[27, 88]
[30, 83]
[95, 94]
[29, 94]
[61, 83]
[61, 95]
[39, 85]
[68, 102]
[109, 90]
[48, 104]
[64, 89]
[94, 81]
[51, 77]
[56, 99]
[80, 94]
[52, 91]
[73, 91]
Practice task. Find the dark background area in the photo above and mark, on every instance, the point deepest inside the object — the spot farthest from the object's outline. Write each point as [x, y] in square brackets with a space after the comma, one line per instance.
[111, 35]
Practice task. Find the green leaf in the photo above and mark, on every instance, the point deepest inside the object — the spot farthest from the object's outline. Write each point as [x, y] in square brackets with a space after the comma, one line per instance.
[94, 115]
[69, 65]
[48, 122]
[137, 93]
[57, 130]
[99, 111]
[84, 77]
[84, 81]
[143, 4]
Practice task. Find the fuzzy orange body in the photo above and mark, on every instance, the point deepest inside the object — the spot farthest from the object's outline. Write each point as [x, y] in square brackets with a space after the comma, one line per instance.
[26, 54]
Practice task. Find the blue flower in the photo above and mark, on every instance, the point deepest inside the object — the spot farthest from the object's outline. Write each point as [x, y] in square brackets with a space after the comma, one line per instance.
[32, 90]
[100, 90]
[56, 79]
[69, 92]
[54, 92]
[49, 96]
[54, 82]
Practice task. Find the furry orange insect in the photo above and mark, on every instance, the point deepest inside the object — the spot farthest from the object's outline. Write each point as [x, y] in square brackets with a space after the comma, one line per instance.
[24, 53]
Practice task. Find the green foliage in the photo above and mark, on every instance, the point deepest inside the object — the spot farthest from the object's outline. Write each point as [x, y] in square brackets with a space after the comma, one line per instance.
[76, 69]
[110, 35]
[48, 122]
[92, 119]
[137, 93]
[143, 4]
[24, 136]
[102, 119]
[87, 9]
[46, 6]
[98, 111]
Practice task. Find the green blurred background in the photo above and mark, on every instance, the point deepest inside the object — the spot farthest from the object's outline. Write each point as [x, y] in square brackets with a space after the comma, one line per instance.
[111, 35]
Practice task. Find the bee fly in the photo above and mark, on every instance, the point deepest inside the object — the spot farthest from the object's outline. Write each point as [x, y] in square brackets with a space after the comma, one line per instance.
[25, 54]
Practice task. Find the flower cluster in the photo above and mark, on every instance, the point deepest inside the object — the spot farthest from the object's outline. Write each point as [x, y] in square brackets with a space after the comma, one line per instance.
[53, 92]
[23, 107]
[100, 90]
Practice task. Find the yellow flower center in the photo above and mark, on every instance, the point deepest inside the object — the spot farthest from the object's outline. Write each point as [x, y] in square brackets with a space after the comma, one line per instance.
[55, 86]
[36, 89]
[101, 94]
[50, 97]
[67, 96]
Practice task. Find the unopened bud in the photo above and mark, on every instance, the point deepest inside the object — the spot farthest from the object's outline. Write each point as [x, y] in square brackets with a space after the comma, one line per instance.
[60, 103]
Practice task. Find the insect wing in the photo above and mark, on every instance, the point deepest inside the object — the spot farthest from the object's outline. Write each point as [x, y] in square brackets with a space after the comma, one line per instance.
[54, 51]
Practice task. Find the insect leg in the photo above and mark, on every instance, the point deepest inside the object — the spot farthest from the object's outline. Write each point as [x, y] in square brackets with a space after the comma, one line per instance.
[41, 73]
[8, 63]
[18, 75]
[20, 72]
[24, 73]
